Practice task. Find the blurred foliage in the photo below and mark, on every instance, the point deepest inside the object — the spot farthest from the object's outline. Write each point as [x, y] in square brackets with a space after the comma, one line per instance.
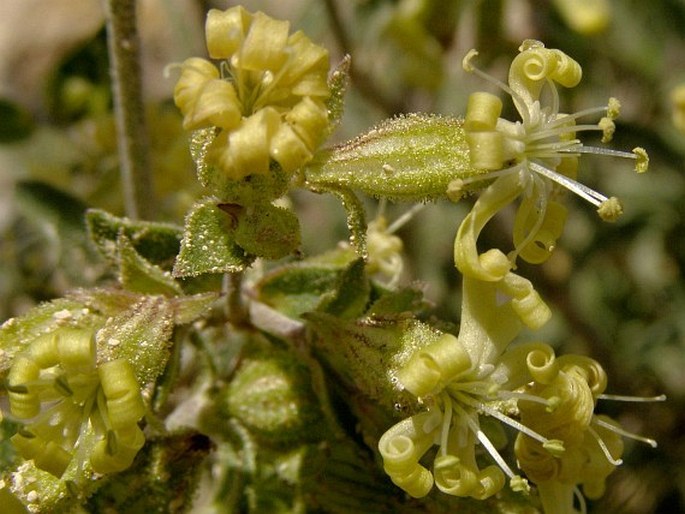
[618, 291]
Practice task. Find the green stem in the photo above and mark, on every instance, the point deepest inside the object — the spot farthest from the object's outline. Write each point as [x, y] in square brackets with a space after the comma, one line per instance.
[124, 55]
[236, 310]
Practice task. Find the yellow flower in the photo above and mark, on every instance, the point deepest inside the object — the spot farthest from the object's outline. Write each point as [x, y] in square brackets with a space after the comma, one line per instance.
[592, 443]
[585, 16]
[265, 99]
[532, 158]
[678, 102]
[462, 378]
[73, 407]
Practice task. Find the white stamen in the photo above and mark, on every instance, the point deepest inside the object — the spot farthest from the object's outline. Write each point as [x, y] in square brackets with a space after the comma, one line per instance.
[603, 446]
[635, 399]
[625, 433]
[518, 101]
[446, 423]
[504, 419]
[494, 453]
[602, 151]
[405, 218]
[581, 190]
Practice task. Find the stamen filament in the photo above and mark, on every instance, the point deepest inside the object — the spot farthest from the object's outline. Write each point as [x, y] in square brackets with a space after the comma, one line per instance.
[635, 399]
[503, 418]
[603, 151]
[581, 190]
[405, 218]
[446, 423]
[518, 100]
[603, 446]
[624, 433]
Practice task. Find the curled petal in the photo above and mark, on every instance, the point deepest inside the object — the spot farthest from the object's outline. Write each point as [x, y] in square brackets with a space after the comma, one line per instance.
[530, 69]
[482, 112]
[591, 371]
[432, 367]
[535, 238]
[24, 401]
[245, 151]
[522, 363]
[526, 301]
[308, 67]
[491, 480]
[466, 257]
[116, 452]
[308, 119]
[195, 73]
[124, 403]
[402, 445]
[538, 464]
[264, 46]
[417, 482]
[53, 458]
[216, 105]
[76, 350]
[225, 31]
[287, 149]
[43, 351]
[453, 477]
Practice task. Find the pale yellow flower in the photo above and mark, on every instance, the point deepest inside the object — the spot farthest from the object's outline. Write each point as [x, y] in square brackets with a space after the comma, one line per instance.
[265, 98]
[534, 158]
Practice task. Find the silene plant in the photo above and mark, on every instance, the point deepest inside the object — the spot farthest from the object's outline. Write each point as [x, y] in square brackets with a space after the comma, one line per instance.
[225, 371]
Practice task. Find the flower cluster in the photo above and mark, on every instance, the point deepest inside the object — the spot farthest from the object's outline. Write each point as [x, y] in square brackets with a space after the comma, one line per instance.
[73, 407]
[533, 159]
[550, 401]
[266, 98]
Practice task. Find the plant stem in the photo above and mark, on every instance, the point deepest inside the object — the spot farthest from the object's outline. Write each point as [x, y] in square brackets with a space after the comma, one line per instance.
[362, 80]
[124, 55]
[236, 310]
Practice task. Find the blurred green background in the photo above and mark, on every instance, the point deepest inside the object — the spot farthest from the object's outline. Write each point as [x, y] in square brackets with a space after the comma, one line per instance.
[617, 289]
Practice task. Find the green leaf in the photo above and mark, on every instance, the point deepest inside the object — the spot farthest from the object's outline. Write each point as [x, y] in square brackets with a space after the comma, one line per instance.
[189, 308]
[138, 275]
[351, 294]
[141, 335]
[208, 243]
[158, 243]
[16, 122]
[394, 304]
[361, 353]
[268, 231]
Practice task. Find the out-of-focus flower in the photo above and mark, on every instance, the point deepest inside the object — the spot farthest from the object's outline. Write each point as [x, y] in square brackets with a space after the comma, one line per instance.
[678, 103]
[73, 407]
[530, 158]
[585, 16]
[265, 99]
